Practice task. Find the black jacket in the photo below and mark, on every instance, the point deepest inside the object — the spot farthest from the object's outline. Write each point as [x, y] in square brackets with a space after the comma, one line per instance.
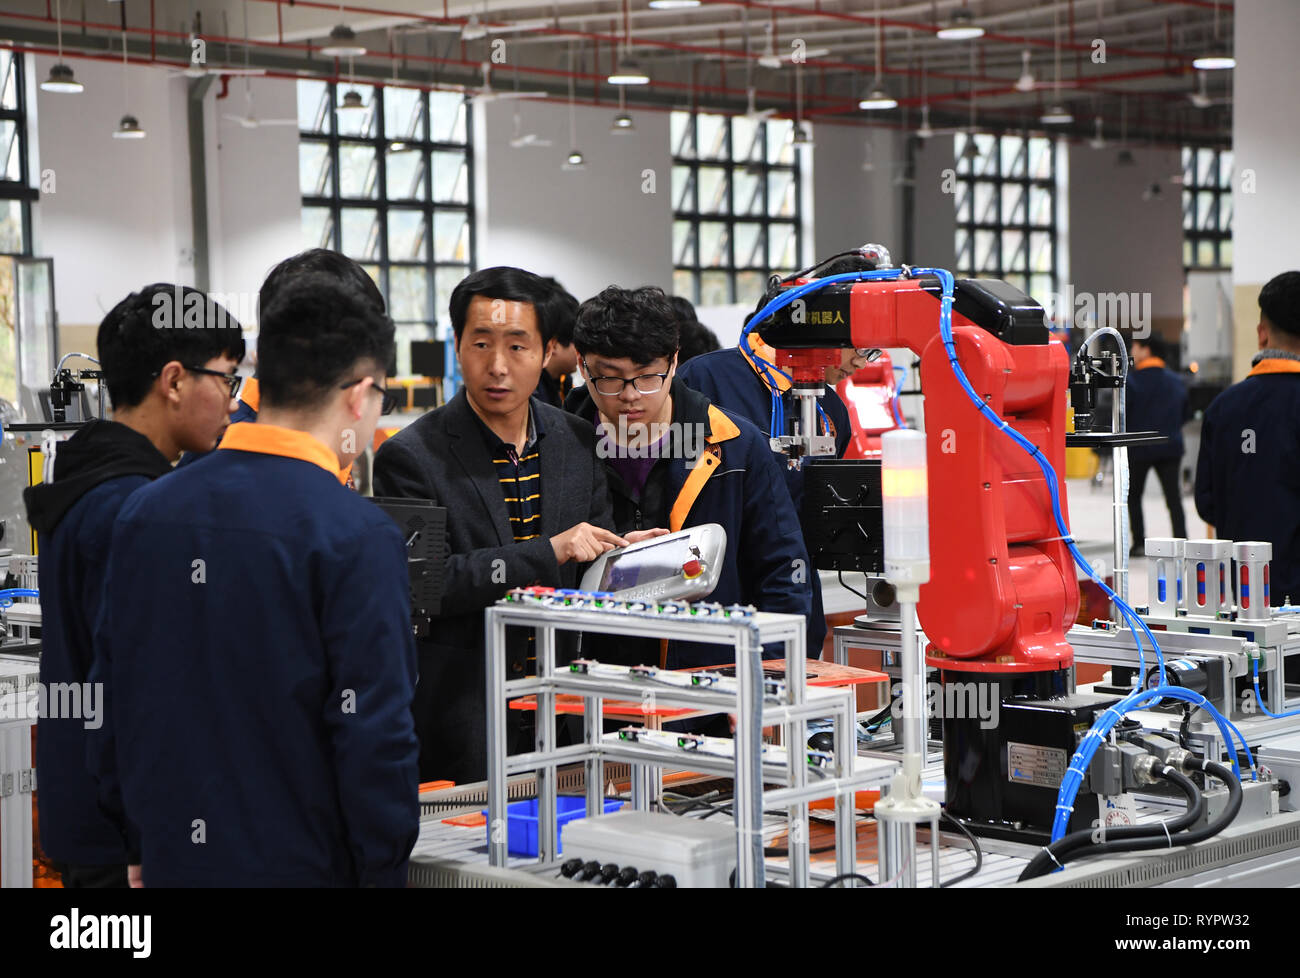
[1156, 401]
[443, 457]
[94, 472]
[1248, 468]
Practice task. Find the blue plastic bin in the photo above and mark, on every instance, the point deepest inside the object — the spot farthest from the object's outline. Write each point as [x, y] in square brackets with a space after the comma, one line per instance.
[522, 820]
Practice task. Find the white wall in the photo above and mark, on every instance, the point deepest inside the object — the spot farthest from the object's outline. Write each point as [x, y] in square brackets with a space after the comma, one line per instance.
[1266, 145]
[851, 205]
[1120, 242]
[119, 216]
[934, 218]
[589, 228]
[254, 204]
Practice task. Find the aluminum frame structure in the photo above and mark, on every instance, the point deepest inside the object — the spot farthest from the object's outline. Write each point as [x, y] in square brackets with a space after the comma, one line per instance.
[746, 632]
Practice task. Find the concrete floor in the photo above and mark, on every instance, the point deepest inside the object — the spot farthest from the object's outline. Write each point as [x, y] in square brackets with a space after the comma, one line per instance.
[1091, 514]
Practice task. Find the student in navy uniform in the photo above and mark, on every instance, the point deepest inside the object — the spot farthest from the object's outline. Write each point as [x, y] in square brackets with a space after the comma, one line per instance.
[558, 310]
[1156, 400]
[286, 272]
[170, 392]
[257, 625]
[735, 379]
[663, 476]
[1248, 469]
[526, 504]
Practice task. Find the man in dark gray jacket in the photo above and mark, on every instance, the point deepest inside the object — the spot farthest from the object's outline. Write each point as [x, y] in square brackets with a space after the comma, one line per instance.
[526, 500]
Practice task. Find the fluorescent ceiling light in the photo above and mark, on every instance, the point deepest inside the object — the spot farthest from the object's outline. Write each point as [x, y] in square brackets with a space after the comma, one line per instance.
[343, 43]
[128, 128]
[622, 123]
[628, 72]
[673, 4]
[1214, 62]
[877, 99]
[61, 79]
[1057, 115]
[960, 27]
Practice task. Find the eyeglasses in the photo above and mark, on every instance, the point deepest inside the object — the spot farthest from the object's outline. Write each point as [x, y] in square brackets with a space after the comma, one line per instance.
[233, 381]
[614, 386]
[390, 402]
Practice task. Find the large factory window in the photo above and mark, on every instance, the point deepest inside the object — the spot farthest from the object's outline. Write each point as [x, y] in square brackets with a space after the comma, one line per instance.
[16, 192]
[1207, 207]
[1006, 210]
[737, 212]
[386, 178]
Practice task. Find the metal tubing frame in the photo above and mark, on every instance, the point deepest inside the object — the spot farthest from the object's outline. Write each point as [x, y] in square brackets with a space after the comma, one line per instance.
[747, 635]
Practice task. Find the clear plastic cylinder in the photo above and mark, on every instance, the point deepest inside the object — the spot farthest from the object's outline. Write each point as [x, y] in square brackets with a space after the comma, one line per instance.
[1207, 577]
[906, 501]
[1164, 574]
[1253, 592]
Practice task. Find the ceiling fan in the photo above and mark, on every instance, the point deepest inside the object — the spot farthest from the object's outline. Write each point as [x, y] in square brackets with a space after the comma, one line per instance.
[770, 59]
[1201, 96]
[525, 140]
[486, 93]
[476, 26]
[198, 66]
[249, 119]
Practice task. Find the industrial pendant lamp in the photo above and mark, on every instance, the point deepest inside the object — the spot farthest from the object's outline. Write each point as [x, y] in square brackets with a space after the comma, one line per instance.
[343, 41]
[1218, 58]
[575, 160]
[128, 127]
[878, 98]
[1058, 114]
[623, 121]
[352, 100]
[61, 78]
[628, 71]
[960, 27]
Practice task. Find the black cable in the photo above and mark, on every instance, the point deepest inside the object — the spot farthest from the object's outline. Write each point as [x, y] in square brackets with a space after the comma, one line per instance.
[975, 847]
[854, 590]
[1184, 728]
[1134, 838]
[836, 880]
[804, 273]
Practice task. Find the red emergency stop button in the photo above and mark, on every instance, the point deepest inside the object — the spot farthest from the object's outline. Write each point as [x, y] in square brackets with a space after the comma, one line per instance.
[692, 569]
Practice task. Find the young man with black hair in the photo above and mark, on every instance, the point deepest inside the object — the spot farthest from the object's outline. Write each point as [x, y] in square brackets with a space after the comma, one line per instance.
[559, 310]
[675, 460]
[280, 753]
[1248, 469]
[526, 499]
[172, 390]
[1156, 400]
[736, 379]
[286, 272]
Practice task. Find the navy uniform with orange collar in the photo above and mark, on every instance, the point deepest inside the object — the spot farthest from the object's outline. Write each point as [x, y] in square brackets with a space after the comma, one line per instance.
[733, 380]
[1248, 470]
[281, 751]
[731, 480]
[1156, 401]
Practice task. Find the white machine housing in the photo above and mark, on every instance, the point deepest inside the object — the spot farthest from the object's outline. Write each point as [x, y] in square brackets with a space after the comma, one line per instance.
[694, 852]
[657, 569]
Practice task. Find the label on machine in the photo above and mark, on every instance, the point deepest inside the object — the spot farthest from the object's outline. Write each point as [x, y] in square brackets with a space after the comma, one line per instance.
[1032, 764]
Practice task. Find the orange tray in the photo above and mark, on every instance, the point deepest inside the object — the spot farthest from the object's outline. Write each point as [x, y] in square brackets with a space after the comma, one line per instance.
[826, 674]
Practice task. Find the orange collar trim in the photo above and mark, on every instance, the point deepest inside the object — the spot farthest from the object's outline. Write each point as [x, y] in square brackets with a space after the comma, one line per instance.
[1148, 362]
[250, 393]
[761, 349]
[1272, 366]
[269, 439]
